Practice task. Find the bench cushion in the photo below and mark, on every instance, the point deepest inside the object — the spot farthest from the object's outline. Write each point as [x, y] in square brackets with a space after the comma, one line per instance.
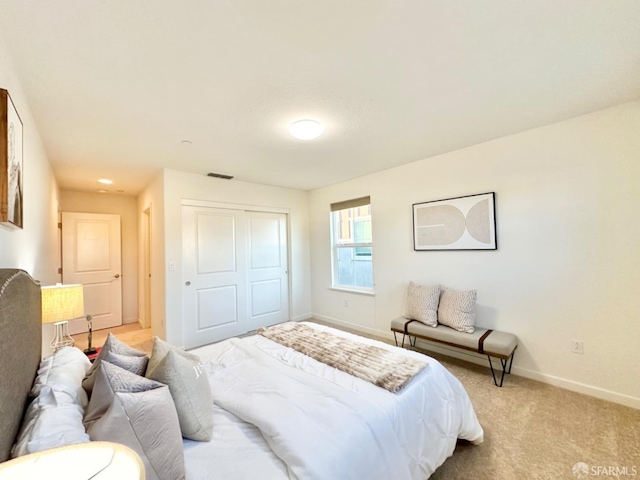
[499, 344]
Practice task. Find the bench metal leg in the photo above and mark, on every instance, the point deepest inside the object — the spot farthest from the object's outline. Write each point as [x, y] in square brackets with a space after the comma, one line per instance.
[503, 362]
[404, 335]
[413, 344]
[511, 362]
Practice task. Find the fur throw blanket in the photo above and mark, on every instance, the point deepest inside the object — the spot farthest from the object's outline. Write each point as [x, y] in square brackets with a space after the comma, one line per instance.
[386, 369]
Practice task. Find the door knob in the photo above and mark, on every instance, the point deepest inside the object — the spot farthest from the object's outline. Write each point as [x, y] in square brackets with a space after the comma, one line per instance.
[187, 283]
[117, 275]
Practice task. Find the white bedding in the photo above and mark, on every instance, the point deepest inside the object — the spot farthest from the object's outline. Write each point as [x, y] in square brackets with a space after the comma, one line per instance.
[279, 414]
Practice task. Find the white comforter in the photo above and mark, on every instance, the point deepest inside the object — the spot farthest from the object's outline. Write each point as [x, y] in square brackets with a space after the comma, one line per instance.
[280, 414]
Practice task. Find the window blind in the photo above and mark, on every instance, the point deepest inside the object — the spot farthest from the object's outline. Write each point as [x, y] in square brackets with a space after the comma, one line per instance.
[356, 202]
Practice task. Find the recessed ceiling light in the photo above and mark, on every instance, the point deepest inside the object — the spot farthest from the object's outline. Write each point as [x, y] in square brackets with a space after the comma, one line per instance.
[105, 181]
[102, 191]
[305, 129]
[186, 142]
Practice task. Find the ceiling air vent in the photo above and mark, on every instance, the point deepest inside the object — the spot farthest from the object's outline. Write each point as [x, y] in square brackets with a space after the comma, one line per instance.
[219, 175]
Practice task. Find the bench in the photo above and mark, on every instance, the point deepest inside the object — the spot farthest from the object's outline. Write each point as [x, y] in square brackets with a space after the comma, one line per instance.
[491, 343]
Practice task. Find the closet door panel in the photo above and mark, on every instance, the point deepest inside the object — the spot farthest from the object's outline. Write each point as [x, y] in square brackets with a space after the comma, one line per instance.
[214, 275]
[267, 269]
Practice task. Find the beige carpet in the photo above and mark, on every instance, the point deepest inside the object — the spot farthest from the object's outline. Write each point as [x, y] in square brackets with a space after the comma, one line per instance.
[536, 431]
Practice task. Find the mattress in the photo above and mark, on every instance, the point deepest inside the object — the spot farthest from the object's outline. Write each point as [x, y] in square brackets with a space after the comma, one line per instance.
[279, 414]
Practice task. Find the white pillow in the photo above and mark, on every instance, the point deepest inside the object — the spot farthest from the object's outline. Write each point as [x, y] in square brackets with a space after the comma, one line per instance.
[63, 372]
[422, 303]
[458, 309]
[48, 424]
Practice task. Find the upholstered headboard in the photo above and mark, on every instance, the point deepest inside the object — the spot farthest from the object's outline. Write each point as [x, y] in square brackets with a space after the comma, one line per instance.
[20, 349]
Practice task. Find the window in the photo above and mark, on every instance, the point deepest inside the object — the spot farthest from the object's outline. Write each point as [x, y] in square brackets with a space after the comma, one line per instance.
[352, 251]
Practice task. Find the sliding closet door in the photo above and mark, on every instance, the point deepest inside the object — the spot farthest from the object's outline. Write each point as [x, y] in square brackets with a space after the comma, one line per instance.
[267, 271]
[214, 274]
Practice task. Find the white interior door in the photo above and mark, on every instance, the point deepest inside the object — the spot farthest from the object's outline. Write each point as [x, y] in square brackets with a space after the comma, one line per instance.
[91, 256]
[267, 271]
[214, 274]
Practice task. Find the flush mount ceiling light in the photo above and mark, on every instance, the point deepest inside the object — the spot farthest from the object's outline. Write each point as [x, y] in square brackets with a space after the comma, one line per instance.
[305, 129]
[105, 181]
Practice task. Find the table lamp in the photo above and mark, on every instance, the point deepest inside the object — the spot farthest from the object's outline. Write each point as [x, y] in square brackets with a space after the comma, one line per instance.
[61, 303]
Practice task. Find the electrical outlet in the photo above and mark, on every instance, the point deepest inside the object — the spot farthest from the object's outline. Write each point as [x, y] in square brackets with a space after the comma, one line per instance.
[346, 303]
[577, 346]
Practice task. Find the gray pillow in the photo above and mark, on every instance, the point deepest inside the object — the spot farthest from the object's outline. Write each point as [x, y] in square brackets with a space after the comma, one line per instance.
[457, 309]
[137, 365]
[139, 413]
[160, 350]
[184, 373]
[112, 345]
[422, 303]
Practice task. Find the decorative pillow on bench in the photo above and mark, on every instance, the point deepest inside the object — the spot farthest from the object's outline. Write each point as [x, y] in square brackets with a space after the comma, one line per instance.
[422, 303]
[458, 309]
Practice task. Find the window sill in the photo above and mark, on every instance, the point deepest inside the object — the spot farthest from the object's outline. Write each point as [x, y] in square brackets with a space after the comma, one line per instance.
[370, 293]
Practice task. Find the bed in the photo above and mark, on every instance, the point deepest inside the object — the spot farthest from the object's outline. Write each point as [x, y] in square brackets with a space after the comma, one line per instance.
[279, 414]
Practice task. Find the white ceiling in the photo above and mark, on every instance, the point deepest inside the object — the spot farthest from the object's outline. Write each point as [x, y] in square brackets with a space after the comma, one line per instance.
[116, 85]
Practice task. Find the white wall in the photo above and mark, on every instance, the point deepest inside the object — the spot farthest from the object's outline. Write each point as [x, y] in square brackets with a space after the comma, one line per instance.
[567, 267]
[36, 247]
[180, 185]
[126, 207]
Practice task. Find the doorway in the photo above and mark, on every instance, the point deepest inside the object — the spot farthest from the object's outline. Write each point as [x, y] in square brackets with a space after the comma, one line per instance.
[146, 270]
[91, 256]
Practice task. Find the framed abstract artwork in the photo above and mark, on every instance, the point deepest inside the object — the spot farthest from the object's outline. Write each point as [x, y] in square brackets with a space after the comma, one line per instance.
[461, 223]
[11, 173]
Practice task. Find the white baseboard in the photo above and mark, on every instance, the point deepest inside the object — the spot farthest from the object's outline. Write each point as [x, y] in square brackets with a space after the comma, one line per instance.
[301, 318]
[578, 387]
[567, 384]
[126, 321]
[342, 323]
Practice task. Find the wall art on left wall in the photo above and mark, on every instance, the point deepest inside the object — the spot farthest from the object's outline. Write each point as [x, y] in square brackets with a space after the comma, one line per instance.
[11, 172]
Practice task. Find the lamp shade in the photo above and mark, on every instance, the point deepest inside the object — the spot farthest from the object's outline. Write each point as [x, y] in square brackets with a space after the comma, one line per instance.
[62, 302]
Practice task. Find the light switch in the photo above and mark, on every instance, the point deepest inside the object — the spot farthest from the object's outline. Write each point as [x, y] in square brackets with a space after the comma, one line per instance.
[172, 266]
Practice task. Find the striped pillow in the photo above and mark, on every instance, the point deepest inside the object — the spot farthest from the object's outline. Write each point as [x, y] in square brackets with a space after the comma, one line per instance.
[422, 303]
[457, 309]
